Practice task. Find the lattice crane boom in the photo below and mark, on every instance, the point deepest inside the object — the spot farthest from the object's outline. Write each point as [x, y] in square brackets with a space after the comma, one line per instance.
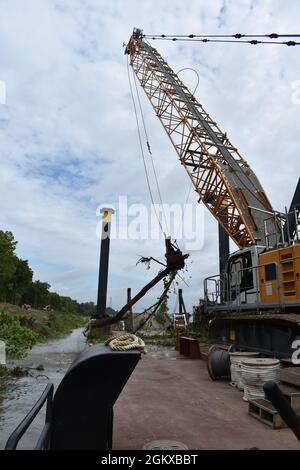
[222, 178]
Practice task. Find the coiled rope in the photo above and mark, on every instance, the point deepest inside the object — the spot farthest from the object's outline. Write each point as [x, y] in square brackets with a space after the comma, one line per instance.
[236, 359]
[126, 342]
[255, 373]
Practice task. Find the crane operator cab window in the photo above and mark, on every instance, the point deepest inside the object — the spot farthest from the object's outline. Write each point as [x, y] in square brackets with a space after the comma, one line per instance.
[240, 276]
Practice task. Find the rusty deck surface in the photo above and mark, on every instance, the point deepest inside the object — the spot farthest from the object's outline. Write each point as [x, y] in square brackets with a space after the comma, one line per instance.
[171, 397]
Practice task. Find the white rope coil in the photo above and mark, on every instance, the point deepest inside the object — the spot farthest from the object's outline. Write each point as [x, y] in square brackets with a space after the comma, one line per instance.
[255, 373]
[126, 342]
[236, 359]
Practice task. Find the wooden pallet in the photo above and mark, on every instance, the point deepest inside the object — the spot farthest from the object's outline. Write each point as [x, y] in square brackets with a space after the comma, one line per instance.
[264, 411]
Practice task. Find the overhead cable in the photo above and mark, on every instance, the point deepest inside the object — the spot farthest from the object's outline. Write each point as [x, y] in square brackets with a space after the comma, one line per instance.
[223, 38]
[142, 150]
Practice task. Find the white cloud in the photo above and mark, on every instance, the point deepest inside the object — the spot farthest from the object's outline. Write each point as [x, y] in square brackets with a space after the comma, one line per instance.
[68, 136]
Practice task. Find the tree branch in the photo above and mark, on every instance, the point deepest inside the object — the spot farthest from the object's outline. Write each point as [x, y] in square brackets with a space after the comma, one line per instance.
[157, 305]
[111, 320]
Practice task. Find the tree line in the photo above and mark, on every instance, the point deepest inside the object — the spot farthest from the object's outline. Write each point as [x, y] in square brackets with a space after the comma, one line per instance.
[17, 285]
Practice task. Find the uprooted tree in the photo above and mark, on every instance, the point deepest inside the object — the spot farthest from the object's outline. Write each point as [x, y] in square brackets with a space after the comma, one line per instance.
[175, 260]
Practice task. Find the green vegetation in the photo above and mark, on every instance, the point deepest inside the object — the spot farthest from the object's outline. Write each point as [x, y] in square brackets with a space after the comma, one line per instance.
[60, 323]
[17, 372]
[200, 327]
[29, 312]
[18, 339]
[21, 330]
[161, 315]
[96, 335]
[167, 339]
[17, 285]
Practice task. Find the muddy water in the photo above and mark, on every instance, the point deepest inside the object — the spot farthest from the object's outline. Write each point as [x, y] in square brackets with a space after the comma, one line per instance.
[17, 396]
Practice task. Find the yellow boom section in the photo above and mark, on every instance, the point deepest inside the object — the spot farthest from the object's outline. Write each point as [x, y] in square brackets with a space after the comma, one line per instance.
[221, 176]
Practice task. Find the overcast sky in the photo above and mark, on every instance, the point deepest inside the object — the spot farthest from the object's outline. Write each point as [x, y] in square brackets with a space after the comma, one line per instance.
[68, 138]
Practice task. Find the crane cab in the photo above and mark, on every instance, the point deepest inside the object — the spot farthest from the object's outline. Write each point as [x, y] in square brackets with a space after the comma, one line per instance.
[238, 285]
[279, 276]
[241, 285]
[256, 278]
[261, 277]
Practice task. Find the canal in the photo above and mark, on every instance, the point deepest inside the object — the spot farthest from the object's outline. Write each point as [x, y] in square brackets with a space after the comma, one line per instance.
[18, 395]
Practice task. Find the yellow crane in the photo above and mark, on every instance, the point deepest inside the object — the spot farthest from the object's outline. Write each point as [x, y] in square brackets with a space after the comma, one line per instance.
[255, 303]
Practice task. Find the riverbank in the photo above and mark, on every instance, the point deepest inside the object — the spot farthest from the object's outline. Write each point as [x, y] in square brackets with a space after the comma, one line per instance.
[22, 329]
[18, 395]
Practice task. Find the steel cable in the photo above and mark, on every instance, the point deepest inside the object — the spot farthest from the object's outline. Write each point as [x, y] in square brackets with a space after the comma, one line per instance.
[236, 38]
[150, 154]
[142, 150]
